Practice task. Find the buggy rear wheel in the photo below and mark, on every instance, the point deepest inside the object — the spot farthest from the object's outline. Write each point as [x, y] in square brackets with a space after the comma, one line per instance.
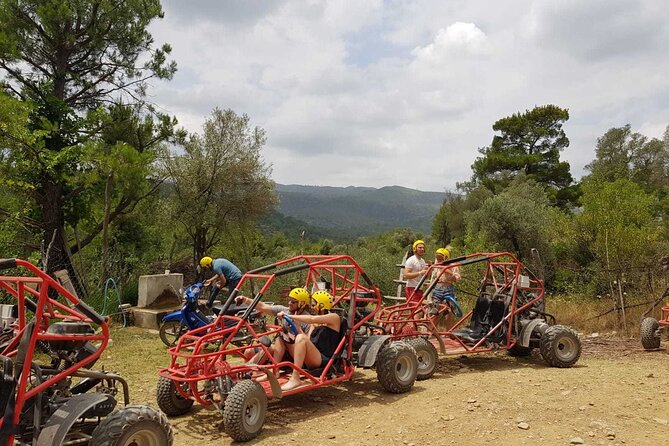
[133, 426]
[170, 332]
[170, 400]
[650, 333]
[426, 355]
[560, 346]
[397, 367]
[245, 409]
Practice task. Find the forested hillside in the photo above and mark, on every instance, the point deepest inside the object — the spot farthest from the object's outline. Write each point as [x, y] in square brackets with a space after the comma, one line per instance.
[348, 212]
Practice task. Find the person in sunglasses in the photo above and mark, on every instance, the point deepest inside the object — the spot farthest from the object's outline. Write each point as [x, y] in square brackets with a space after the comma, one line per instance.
[315, 347]
[299, 300]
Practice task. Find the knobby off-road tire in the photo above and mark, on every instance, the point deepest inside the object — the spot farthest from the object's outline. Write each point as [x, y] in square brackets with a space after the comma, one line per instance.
[245, 410]
[519, 351]
[426, 355]
[170, 400]
[397, 367]
[650, 336]
[170, 332]
[133, 426]
[560, 346]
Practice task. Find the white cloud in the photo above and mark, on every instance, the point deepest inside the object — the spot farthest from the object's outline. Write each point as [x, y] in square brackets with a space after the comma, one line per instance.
[459, 39]
[401, 92]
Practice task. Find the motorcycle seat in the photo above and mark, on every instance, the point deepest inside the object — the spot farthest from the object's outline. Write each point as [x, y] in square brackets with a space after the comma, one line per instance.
[233, 310]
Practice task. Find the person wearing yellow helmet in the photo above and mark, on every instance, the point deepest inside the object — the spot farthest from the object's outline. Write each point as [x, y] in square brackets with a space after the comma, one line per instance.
[315, 347]
[298, 303]
[414, 268]
[299, 300]
[444, 291]
[226, 274]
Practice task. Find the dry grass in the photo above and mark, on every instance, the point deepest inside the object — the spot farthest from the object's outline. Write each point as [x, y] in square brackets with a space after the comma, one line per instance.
[594, 315]
[136, 354]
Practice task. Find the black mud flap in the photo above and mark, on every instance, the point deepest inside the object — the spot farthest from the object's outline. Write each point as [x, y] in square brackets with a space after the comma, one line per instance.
[370, 349]
[58, 425]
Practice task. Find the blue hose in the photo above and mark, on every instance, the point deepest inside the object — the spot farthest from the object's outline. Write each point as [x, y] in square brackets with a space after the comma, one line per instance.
[112, 283]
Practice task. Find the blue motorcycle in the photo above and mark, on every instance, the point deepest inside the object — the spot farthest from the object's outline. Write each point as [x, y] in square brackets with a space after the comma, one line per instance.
[192, 315]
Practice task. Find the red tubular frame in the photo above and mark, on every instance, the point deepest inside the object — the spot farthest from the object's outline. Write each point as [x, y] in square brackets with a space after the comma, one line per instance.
[47, 311]
[191, 362]
[664, 318]
[406, 319]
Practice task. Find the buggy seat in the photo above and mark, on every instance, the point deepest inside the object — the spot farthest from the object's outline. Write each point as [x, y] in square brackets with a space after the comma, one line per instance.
[487, 313]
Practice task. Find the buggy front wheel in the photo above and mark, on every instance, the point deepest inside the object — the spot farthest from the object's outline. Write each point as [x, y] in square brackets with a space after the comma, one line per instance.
[397, 367]
[245, 409]
[133, 426]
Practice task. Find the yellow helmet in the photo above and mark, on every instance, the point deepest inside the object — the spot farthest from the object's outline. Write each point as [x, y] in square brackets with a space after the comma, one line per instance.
[416, 243]
[205, 262]
[300, 295]
[444, 252]
[324, 300]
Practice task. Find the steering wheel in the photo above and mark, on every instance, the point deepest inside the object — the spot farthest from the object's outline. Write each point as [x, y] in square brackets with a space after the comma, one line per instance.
[455, 306]
[291, 324]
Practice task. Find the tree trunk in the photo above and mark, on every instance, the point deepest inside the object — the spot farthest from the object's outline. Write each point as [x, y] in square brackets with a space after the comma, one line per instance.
[105, 228]
[200, 243]
[56, 254]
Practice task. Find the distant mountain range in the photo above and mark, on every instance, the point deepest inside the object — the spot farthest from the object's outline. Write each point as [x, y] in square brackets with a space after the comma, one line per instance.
[342, 213]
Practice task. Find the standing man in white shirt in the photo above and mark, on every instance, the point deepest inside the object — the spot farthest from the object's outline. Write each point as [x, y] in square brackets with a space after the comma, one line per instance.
[414, 268]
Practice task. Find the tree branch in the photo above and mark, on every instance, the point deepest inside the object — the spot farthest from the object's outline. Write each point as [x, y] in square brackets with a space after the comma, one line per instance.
[27, 223]
[125, 206]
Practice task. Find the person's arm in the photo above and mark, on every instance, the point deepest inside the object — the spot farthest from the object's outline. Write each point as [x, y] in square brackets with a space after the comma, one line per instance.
[222, 280]
[330, 319]
[409, 272]
[261, 307]
[209, 280]
[456, 274]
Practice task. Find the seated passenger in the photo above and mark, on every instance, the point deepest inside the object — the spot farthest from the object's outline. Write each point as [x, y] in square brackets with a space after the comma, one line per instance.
[298, 303]
[314, 348]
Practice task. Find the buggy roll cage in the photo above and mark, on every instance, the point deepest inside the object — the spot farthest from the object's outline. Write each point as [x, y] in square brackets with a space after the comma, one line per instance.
[503, 280]
[38, 294]
[193, 360]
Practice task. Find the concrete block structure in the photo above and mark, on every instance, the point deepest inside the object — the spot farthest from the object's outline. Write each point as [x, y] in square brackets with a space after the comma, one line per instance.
[159, 289]
[157, 295]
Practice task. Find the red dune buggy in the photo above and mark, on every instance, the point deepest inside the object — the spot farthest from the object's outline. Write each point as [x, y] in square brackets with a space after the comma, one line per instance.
[211, 364]
[509, 313]
[49, 396]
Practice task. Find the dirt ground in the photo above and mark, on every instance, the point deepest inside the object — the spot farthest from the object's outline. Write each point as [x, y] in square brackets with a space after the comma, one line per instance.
[616, 394]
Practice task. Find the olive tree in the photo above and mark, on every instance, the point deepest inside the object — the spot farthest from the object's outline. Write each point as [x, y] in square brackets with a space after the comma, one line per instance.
[219, 178]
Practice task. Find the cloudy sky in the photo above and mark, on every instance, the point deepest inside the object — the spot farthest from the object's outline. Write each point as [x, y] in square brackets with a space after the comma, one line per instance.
[397, 92]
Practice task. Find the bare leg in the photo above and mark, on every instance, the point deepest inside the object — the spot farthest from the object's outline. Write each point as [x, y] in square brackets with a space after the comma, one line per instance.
[303, 352]
[260, 357]
[277, 349]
